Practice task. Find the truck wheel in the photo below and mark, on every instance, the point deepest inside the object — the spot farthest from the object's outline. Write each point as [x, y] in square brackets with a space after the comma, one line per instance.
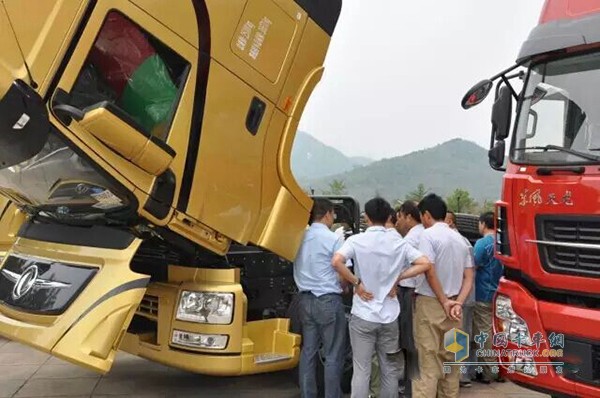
[468, 226]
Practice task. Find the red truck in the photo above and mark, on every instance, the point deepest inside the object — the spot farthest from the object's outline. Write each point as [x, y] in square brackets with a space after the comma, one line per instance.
[547, 306]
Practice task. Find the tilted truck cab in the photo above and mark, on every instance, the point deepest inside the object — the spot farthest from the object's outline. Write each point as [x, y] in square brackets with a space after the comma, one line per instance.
[548, 220]
[148, 144]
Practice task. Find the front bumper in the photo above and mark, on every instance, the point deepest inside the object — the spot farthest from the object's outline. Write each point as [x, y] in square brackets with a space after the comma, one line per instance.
[544, 317]
[205, 363]
[253, 347]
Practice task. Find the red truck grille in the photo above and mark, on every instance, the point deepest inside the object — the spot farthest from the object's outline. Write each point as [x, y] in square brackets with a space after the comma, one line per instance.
[569, 244]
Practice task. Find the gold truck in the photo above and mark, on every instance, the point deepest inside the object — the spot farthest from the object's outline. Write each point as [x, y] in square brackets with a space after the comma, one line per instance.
[145, 151]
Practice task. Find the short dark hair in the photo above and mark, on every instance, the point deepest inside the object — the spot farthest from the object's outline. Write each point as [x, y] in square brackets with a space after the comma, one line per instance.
[393, 218]
[378, 210]
[435, 205]
[321, 206]
[452, 215]
[488, 219]
[410, 208]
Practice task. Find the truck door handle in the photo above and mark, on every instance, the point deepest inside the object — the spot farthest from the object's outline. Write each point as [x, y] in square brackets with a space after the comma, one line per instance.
[255, 115]
[63, 110]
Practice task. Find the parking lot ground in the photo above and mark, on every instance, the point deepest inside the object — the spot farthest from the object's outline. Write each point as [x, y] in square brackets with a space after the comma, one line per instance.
[25, 372]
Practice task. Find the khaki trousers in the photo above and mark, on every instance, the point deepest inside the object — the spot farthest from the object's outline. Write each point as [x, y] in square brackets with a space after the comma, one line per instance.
[430, 325]
[482, 322]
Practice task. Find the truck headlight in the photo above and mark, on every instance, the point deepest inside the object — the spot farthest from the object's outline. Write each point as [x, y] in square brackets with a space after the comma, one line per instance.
[511, 323]
[205, 307]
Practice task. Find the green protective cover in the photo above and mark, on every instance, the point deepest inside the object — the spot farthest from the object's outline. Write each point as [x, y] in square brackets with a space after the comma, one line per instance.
[149, 95]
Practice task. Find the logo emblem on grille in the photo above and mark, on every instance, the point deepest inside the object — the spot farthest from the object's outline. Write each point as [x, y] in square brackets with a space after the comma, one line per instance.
[25, 282]
[28, 280]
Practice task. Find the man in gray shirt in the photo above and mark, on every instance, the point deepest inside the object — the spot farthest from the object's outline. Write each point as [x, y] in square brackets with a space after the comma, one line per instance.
[453, 269]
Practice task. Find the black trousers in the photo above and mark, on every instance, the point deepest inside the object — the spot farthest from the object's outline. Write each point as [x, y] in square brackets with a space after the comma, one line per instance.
[406, 297]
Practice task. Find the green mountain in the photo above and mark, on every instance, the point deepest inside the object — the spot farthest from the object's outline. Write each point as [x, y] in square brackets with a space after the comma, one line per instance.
[311, 159]
[443, 168]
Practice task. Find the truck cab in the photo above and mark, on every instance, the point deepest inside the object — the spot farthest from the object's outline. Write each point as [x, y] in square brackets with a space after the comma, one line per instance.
[143, 143]
[548, 220]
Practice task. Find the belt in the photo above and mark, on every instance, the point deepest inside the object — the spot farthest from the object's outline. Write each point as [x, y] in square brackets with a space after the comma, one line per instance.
[433, 297]
[326, 294]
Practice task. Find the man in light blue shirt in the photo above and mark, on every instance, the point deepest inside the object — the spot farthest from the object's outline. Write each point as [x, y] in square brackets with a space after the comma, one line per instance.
[321, 308]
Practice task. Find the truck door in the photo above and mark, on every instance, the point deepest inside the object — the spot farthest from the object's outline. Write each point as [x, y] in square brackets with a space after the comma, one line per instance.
[125, 97]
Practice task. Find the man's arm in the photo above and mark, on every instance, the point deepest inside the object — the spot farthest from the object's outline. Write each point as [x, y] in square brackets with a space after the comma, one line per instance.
[419, 266]
[479, 254]
[339, 264]
[467, 285]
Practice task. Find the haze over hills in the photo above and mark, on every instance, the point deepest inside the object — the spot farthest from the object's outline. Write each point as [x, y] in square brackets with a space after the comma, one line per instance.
[454, 164]
[311, 159]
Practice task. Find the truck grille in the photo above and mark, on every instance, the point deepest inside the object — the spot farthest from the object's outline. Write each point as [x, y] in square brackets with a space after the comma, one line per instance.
[149, 307]
[569, 245]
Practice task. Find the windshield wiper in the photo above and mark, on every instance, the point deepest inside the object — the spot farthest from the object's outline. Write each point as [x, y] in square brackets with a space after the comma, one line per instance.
[583, 155]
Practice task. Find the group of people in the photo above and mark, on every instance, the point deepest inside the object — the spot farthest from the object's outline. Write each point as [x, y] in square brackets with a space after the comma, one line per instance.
[413, 279]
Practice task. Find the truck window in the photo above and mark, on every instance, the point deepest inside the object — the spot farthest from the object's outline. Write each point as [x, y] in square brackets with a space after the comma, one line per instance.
[134, 71]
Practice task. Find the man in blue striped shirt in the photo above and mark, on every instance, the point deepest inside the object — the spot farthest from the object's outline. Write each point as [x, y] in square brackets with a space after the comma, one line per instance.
[321, 309]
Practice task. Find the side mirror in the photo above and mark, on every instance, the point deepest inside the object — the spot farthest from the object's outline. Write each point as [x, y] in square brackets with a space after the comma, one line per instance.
[24, 124]
[127, 138]
[496, 155]
[532, 124]
[501, 114]
[477, 94]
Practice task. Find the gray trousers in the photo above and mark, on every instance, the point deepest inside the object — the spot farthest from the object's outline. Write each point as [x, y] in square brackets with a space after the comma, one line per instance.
[368, 338]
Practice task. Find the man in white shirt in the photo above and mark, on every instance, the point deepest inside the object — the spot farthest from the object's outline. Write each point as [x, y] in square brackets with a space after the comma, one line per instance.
[453, 270]
[390, 225]
[382, 259]
[410, 227]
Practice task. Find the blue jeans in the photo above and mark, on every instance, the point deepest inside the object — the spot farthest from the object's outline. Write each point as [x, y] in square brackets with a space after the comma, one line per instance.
[323, 324]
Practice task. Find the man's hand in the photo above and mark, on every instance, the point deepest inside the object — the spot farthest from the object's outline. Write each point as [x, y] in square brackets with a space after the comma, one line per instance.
[456, 312]
[362, 293]
[451, 311]
[394, 292]
[346, 287]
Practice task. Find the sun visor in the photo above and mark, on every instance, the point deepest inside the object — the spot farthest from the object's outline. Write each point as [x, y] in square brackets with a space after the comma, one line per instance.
[24, 124]
[559, 35]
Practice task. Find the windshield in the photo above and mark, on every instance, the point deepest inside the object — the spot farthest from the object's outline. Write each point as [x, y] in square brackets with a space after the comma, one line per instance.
[59, 183]
[559, 121]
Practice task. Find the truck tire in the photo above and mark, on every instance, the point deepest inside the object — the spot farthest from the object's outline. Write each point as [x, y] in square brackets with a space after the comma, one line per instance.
[468, 226]
[293, 314]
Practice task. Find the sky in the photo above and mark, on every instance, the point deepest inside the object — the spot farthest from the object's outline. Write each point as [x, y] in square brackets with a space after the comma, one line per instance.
[397, 70]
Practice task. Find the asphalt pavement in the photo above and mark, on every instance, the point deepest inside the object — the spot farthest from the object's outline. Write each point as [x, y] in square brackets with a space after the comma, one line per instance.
[25, 372]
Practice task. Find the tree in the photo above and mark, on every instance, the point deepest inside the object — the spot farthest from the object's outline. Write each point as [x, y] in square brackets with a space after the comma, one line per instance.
[461, 201]
[488, 205]
[418, 193]
[336, 187]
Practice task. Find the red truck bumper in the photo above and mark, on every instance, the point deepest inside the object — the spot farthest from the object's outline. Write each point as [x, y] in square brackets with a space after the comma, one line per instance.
[580, 375]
